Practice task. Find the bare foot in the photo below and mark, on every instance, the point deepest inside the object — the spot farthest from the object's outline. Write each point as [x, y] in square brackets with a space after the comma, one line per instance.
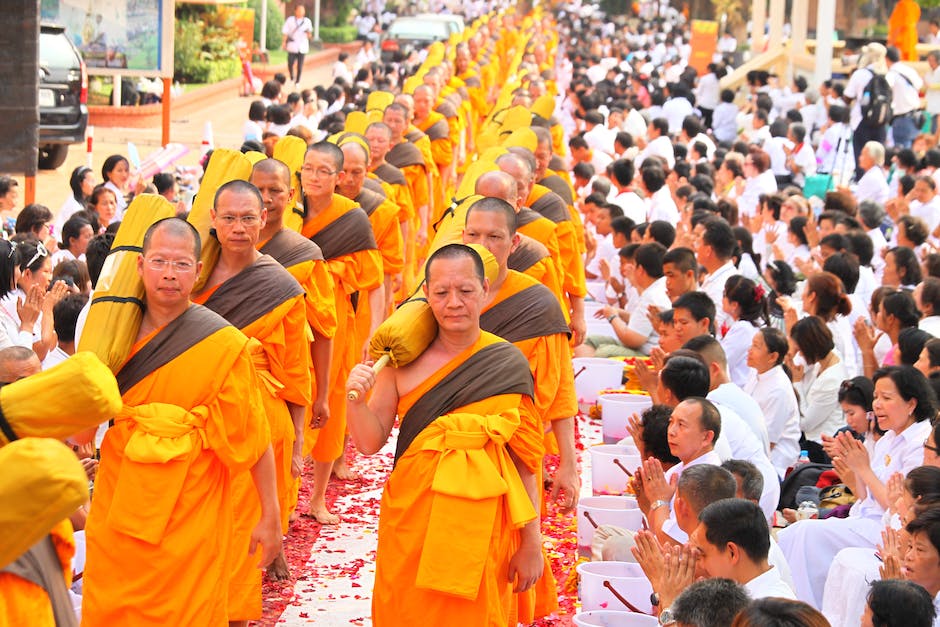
[278, 570]
[322, 515]
[294, 515]
[344, 472]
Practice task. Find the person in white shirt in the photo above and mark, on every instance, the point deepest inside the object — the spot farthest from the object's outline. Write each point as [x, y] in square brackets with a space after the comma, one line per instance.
[759, 179]
[746, 308]
[708, 94]
[599, 138]
[725, 118]
[932, 87]
[872, 185]
[904, 407]
[770, 386]
[760, 128]
[677, 107]
[904, 601]
[801, 160]
[635, 332]
[906, 84]
[835, 154]
[82, 184]
[658, 143]
[714, 247]
[925, 203]
[927, 298]
[622, 173]
[297, 31]
[733, 542]
[581, 152]
[659, 202]
[65, 315]
[871, 62]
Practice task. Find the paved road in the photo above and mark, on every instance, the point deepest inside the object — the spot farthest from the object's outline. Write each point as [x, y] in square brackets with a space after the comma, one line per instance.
[227, 115]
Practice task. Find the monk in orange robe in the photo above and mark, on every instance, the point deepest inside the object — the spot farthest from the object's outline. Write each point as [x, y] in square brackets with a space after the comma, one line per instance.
[902, 29]
[260, 298]
[524, 312]
[435, 126]
[463, 466]
[161, 524]
[342, 231]
[409, 158]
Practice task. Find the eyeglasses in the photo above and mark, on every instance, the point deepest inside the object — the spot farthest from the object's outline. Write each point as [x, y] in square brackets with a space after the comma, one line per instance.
[936, 451]
[183, 267]
[248, 221]
[40, 252]
[320, 173]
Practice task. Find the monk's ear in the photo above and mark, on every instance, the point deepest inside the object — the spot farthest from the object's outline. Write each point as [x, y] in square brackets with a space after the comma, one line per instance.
[516, 238]
[264, 216]
[140, 264]
[198, 268]
[486, 286]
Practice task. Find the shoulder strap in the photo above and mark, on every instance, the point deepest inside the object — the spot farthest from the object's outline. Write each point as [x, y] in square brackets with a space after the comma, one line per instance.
[347, 234]
[253, 292]
[532, 312]
[288, 248]
[493, 370]
[193, 326]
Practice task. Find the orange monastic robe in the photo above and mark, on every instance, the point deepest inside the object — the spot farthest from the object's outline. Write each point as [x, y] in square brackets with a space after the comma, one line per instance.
[282, 361]
[572, 264]
[356, 265]
[23, 602]
[161, 525]
[463, 487]
[902, 28]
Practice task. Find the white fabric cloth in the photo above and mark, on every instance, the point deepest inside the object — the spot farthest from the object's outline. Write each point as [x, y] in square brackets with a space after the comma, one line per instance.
[872, 186]
[835, 153]
[121, 201]
[906, 86]
[932, 80]
[714, 286]
[733, 397]
[930, 324]
[632, 205]
[737, 436]
[847, 584]
[929, 212]
[640, 323]
[736, 343]
[675, 111]
[55, 357]
[773, 392]
[725, 122]
[661, 206]
[819, 403]
[769, 584]
[69, 208]
[708, 92]
[659, 147]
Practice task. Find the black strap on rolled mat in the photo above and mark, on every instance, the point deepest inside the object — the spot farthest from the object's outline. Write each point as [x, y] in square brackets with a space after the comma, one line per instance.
[5, 427]
[451, 210]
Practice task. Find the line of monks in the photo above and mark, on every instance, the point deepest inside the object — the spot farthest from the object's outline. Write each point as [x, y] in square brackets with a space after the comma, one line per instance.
[241, 368]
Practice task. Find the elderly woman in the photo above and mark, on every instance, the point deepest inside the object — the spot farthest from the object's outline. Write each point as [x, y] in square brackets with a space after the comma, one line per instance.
[904, 404]
[874, 184]
[759, 179]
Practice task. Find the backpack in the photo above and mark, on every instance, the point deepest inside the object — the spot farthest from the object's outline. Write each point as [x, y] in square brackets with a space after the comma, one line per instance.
[801, 475]
[876, 100]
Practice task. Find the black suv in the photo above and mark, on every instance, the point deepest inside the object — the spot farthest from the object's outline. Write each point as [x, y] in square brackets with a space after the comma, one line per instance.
[63, 93]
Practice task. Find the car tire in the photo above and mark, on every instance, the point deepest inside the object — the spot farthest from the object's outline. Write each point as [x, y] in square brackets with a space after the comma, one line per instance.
[52, 156]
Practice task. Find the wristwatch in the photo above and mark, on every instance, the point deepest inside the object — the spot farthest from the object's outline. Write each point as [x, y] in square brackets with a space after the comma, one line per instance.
[658, 503]
[611, 317]
[654, 599]
[665, 617]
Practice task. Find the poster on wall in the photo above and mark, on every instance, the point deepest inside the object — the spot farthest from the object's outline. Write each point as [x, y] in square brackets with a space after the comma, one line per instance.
[132, 37]
[704, 42]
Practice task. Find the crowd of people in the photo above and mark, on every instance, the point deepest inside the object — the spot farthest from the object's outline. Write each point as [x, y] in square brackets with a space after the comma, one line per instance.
[770, 251]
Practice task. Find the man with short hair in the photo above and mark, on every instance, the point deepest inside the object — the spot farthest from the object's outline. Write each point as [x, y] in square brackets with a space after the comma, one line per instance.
[714, 248]
[733, 541]
[472, 384]
[680, 269]
[659, 202]
[408, 158]
[693, 315]
[162, 494]
[709, 603]
[343, 232]
[927, 297]
[622, 177]
[521, 311]
[18, 362]
[65, 317]
[657, 144]
[906, 84]
[435, 126]
[259, 297]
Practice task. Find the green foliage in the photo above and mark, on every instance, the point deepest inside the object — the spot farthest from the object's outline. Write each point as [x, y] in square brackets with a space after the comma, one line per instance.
[929, 4]
[339, 15]
[274, 26]
[615, 7]
[204, 49]
[338, 34]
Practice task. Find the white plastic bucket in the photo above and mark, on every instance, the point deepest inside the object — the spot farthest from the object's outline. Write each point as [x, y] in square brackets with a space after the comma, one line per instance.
[594, 374]
[625, 578]
[616, 410]
[621, 511]
[591, 307]
[607, 468]
[610, 618]
[597, 290]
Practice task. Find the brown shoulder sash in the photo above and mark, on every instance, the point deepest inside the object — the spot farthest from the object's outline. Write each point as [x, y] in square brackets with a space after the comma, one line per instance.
[438, 130]
[391, 174]
[526, 216]
[532, 312]
[559, 186]
[375, 186]
[527, 254]
[551, 206]
[472, 81]
[253, 292]
[493, 370]
[40, 565]
[369, 200]
[347, 234]
[447, 109]
[405, 154]
[193, 326]
[415, 136]
[556, 163]
[288, 247]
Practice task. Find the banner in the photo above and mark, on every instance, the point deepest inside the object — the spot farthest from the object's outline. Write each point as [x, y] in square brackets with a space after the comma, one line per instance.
[118, 37]
[704, 42]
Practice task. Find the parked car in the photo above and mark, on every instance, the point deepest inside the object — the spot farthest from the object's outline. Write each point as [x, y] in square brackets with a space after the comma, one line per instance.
[407, 34]
[454, 23]
[63, 96]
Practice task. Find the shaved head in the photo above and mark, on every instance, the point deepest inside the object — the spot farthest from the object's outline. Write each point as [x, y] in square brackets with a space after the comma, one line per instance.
[18, 362]
[273, 166]
[175, 227]
[497, 184]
